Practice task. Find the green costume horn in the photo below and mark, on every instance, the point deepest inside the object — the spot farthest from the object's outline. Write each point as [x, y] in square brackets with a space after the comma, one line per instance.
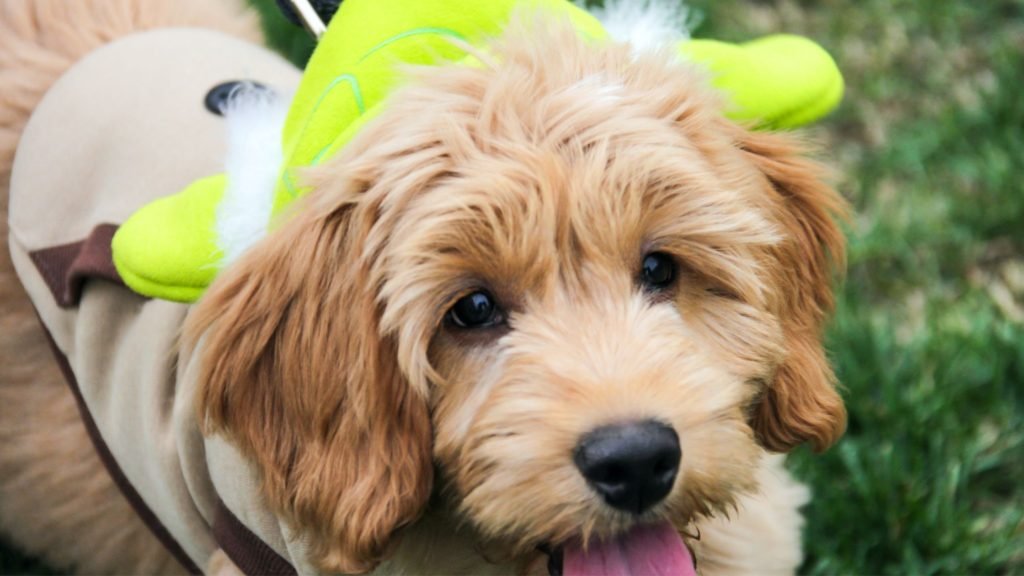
[168, 249]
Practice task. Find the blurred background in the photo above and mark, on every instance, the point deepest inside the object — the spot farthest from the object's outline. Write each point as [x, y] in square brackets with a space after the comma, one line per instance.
[928, 336]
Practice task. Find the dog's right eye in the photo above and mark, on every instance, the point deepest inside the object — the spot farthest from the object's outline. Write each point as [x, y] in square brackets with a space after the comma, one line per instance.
[658, 271]
[476, 310]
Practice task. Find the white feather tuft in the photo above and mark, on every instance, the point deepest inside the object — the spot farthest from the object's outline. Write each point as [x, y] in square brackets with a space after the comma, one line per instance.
[647, 25]
[255, 119]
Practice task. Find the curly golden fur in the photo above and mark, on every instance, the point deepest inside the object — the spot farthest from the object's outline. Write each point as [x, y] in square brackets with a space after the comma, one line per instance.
[543, 180]
[328, 360]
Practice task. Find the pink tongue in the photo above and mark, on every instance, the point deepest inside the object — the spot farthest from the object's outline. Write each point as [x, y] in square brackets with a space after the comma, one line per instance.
[651, 550]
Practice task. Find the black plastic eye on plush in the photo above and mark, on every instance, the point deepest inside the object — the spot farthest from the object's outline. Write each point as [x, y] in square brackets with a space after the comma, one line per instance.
[658, 271]
[476, 310]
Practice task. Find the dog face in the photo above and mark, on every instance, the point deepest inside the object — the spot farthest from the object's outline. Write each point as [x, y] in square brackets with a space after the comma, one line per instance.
[568, 282]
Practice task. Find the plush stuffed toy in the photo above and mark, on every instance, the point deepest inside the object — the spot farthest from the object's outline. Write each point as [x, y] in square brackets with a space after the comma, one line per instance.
[174, 247]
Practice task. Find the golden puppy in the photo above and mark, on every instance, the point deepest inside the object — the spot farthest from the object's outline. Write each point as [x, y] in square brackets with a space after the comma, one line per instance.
[560, 303]
[511, 259]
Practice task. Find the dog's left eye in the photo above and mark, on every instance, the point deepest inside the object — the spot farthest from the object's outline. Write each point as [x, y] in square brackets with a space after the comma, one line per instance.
[477, 310]
[657, 271]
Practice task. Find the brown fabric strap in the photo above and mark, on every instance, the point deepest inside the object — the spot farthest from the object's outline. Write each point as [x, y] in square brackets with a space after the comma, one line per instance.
[246, 550]
[65, 268]
[133, 497]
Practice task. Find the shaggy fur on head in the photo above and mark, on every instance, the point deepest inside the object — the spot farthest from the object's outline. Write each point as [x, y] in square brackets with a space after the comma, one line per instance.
[329, 362]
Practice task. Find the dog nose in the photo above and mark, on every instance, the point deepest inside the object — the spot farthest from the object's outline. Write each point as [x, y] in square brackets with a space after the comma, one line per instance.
[632, 466]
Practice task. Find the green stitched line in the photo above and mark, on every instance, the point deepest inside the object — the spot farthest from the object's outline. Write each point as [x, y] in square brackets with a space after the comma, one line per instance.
[355, 82]
[356, 92]
[414, 32]
[286, 178]
[320, 155]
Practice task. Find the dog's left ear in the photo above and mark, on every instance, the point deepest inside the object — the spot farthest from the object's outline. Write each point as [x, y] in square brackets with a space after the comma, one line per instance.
[295, 371]
[801, 404]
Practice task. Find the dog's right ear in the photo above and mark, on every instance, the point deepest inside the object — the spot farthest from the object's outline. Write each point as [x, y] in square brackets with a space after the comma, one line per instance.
[295, 372]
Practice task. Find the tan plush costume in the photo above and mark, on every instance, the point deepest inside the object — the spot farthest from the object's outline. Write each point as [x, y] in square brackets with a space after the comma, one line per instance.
[124, 126]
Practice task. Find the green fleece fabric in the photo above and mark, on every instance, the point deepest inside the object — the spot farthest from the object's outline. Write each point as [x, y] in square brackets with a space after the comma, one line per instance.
[168, 249]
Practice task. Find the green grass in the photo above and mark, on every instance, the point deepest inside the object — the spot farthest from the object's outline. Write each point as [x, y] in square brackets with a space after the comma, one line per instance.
[928, 337]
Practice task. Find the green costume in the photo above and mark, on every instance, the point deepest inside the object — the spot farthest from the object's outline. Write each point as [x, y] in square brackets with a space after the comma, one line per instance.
[168, 249]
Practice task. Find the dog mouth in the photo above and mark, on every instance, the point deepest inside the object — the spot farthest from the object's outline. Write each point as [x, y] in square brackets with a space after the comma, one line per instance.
[647, 549]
